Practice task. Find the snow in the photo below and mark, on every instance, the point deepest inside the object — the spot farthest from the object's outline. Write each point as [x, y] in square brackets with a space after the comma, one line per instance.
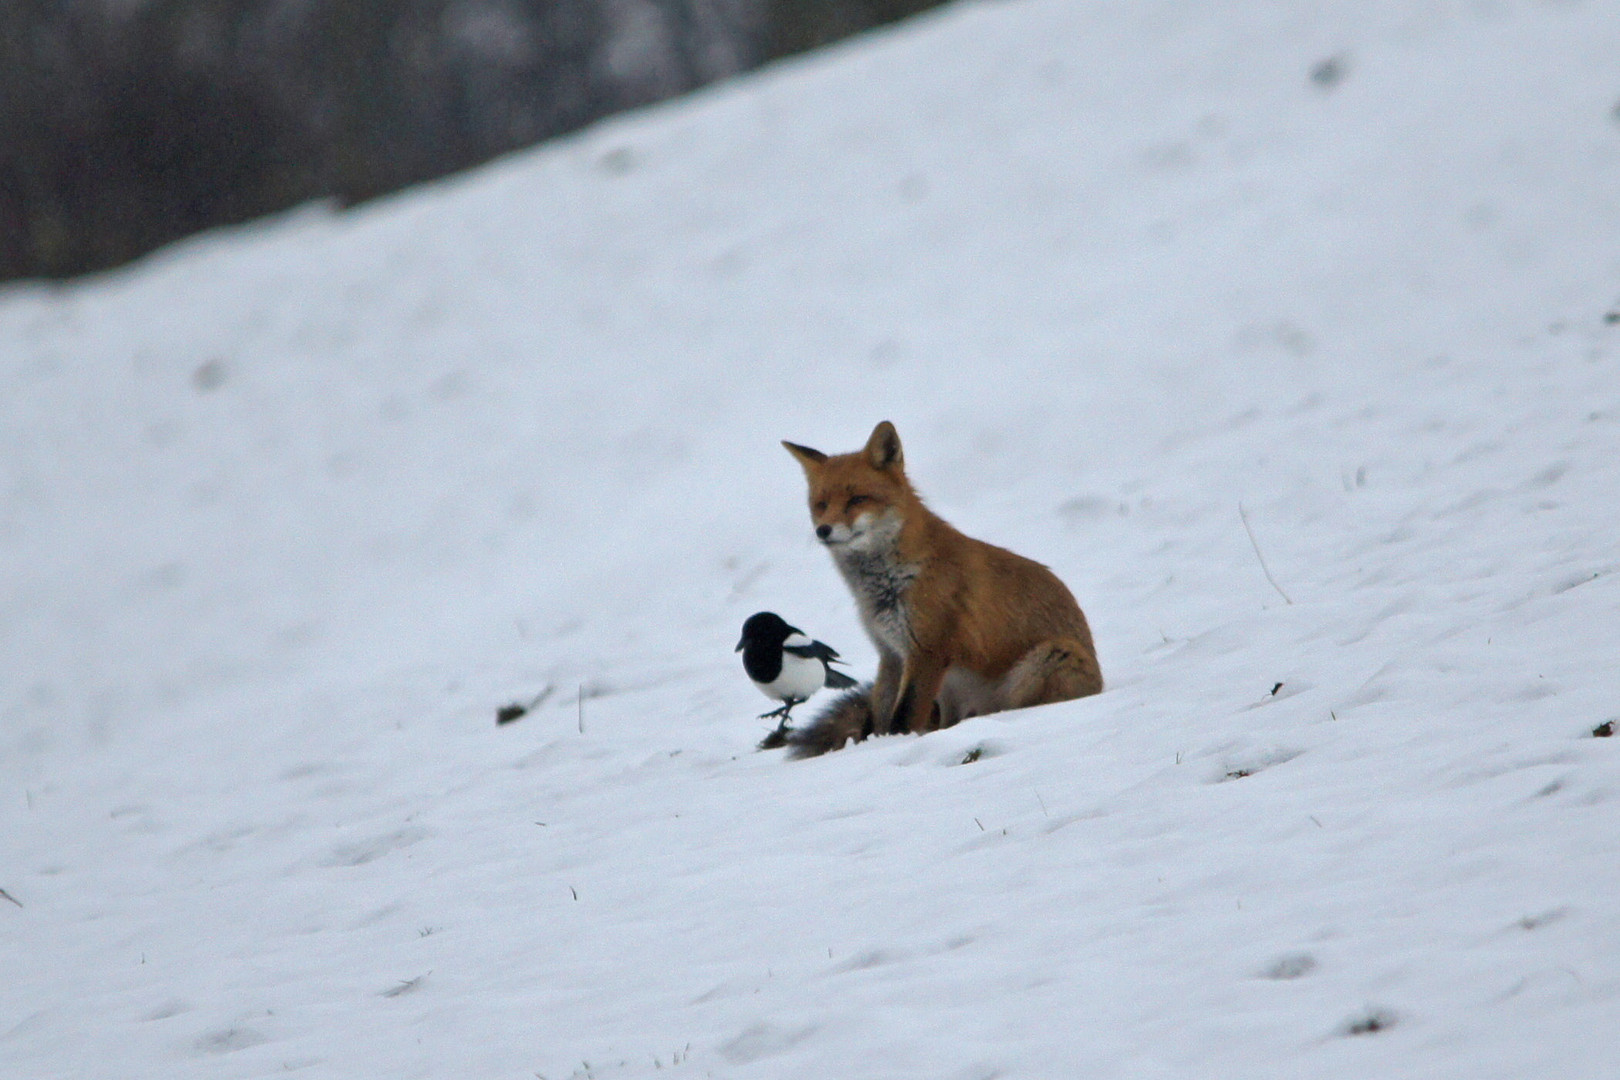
[288, 511]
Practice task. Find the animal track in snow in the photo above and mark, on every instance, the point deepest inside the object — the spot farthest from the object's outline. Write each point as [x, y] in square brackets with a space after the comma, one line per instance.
[364, 851]
[229, 1040]
[1238, 766]
[171, 1008]
[1290, 966]
[1369, 1022]
[763, 1040]
[1545, 918]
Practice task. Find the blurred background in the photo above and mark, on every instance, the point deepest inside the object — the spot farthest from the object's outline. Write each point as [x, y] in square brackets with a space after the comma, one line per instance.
[125, 124]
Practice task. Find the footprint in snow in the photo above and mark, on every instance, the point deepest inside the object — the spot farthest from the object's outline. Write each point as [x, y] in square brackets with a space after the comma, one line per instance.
[1290, 966]
[1238, 766]
[763, 1040]
[364, 851]
[229, 1040]
[1369, 1022]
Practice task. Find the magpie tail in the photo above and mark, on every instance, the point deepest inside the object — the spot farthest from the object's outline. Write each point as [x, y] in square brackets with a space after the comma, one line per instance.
[848, 716]
[837, 680]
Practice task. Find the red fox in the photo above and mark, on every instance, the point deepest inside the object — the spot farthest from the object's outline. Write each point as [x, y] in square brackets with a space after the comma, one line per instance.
[962, 628]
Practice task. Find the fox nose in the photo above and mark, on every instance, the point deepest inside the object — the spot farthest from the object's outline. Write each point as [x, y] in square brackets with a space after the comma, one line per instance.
[823, 531]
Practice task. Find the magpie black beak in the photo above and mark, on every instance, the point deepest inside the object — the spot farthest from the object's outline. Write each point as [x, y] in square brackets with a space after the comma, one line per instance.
[740, 645]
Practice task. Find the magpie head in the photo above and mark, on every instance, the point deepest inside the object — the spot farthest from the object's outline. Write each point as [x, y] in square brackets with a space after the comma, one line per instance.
[765, 628]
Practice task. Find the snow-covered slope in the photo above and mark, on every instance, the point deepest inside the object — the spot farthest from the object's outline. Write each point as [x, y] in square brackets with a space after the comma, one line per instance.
[286, 512]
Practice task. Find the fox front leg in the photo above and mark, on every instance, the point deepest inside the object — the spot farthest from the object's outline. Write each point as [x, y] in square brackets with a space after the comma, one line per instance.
[885, 691]
[916, 707]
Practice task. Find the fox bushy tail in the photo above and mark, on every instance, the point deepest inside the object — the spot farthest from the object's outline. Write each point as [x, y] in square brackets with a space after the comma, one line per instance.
[848, 716]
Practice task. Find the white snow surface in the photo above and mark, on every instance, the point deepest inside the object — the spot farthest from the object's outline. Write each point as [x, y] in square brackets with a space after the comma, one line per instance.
[287, 511]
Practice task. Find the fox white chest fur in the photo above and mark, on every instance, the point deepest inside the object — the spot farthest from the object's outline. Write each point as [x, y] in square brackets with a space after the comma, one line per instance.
[880, 582]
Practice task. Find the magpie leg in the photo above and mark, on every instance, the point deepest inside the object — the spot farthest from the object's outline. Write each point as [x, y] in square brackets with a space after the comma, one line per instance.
[776, 738]
[779, 736]
[783, 712]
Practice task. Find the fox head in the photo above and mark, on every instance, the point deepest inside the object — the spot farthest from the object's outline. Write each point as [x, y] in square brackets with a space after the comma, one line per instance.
[858, 501]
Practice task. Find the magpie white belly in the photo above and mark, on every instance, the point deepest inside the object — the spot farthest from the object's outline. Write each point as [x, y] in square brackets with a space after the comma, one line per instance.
[800, 678]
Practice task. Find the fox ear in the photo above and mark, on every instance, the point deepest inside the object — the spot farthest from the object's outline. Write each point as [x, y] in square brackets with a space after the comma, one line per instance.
[807, 457]
[883, 448]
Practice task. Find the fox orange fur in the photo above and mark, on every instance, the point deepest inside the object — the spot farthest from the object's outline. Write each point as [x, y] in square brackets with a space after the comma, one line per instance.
[962, 628]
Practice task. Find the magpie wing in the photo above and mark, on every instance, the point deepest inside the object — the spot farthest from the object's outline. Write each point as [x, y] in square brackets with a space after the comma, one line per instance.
[814, 650]
[817, 650]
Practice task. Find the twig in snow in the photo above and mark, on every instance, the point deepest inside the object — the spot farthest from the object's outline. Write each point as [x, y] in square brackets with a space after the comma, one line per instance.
[508, 713]
[1244, 515]
[581, 700]
[406, 986]
[7, 896]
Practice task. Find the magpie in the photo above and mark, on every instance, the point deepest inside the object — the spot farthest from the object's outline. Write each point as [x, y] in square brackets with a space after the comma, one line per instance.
[785, 664]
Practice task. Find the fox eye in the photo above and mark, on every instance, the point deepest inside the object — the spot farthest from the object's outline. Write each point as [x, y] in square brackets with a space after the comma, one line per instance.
[821, 506]
[856, 500]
